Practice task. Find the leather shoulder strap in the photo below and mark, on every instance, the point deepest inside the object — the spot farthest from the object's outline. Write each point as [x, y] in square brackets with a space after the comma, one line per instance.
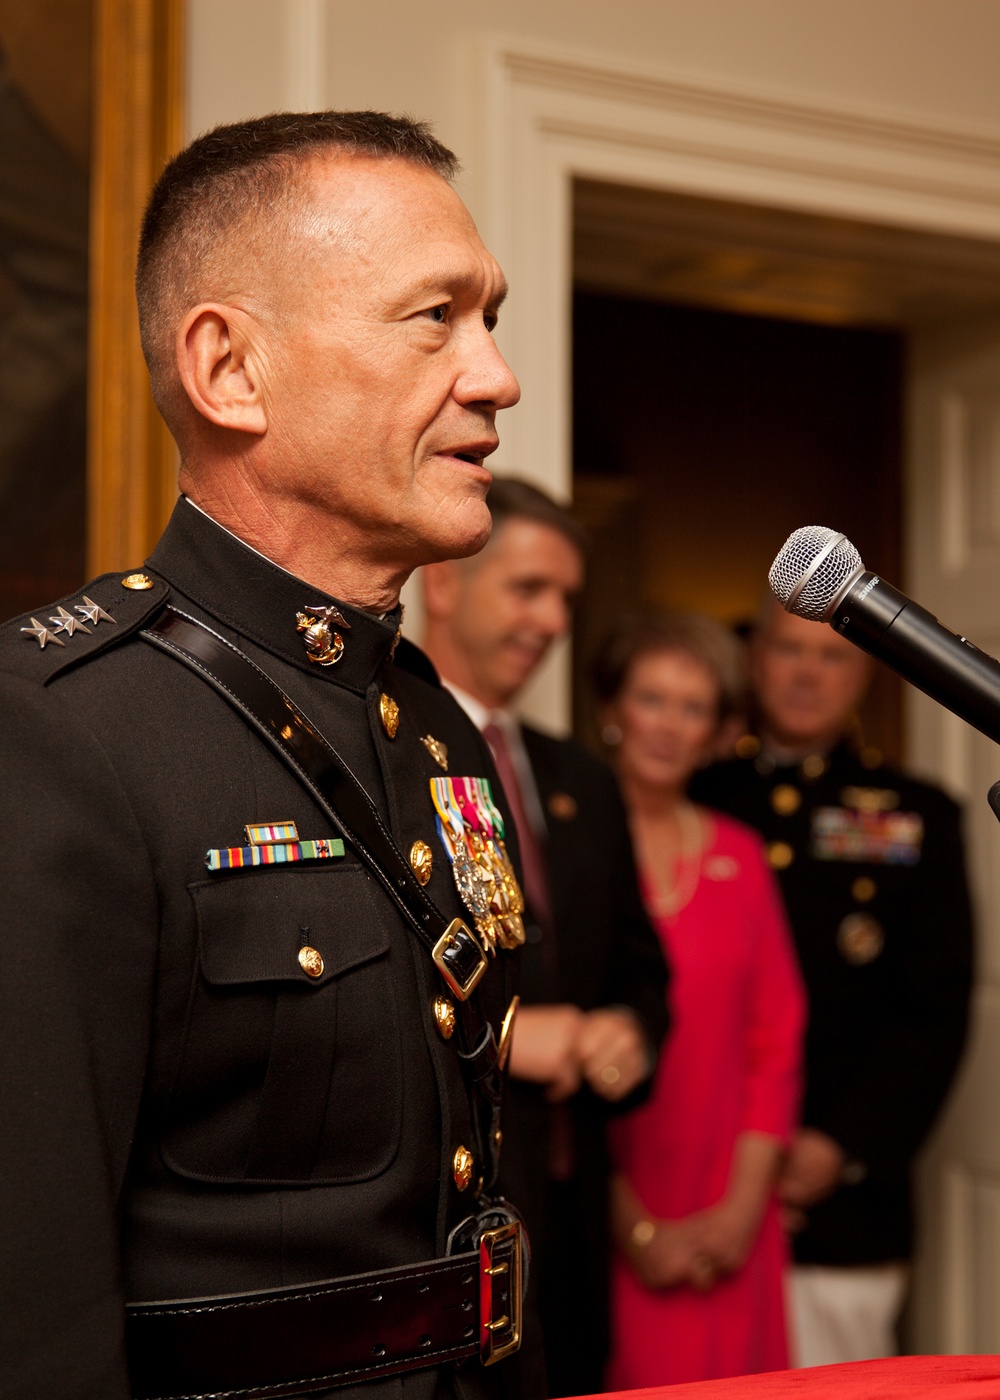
[457, 953]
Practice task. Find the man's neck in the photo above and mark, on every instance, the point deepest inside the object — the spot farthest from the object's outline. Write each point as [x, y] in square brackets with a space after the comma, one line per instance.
[307, 551]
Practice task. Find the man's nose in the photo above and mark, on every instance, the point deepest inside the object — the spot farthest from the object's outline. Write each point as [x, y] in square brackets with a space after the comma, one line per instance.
[486, 376]
[553, 615]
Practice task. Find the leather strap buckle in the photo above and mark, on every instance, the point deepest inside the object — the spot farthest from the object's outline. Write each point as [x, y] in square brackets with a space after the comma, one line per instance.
[460, 959]
[499, 1292]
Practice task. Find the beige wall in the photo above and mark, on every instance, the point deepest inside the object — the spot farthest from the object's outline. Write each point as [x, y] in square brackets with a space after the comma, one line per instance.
[926, 58]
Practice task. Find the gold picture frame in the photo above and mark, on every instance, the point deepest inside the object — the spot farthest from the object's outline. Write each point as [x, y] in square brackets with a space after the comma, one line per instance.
[138, 125]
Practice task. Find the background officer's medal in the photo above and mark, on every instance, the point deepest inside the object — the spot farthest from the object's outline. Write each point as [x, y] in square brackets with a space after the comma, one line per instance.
[470, 828]
[860, 939]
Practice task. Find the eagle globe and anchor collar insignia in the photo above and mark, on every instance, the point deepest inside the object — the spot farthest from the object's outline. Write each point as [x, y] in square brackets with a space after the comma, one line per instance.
[471, 830]
[324, 646]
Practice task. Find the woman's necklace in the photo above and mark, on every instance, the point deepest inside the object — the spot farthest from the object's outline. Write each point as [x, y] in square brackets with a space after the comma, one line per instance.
[671, 901]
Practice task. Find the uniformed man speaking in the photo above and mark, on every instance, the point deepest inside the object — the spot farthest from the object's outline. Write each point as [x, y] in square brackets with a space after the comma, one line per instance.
[871, 866]
[259, 902]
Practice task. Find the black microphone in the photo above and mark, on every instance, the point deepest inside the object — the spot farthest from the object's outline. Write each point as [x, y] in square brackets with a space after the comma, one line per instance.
[818, 574]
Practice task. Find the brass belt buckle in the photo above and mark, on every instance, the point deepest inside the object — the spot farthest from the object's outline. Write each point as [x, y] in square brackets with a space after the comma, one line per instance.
[499, 1292]
[460, 959]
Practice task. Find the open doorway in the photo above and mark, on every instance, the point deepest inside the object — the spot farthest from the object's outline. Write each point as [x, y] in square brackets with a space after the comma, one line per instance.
[702, 438]
[738, 372]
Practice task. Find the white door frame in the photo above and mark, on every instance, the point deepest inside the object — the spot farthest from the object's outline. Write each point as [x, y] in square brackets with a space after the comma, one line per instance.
[548, 115]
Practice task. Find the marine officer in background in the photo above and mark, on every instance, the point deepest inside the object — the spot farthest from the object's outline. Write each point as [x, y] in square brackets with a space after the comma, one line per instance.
[255, 999]
[871, 866]
[593, 1009]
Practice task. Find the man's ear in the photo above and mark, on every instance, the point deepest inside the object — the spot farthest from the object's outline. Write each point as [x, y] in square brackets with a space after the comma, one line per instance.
[217, 366]
[442, 585]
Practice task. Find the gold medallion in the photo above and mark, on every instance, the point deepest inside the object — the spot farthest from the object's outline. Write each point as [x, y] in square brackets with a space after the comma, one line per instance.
[437, 750]
[860, 939]
[866, 799]
[563, 806]
[421, 861]
[388, 713]
[137, 582]
[747, 746]
[780, 855]
[786, 799]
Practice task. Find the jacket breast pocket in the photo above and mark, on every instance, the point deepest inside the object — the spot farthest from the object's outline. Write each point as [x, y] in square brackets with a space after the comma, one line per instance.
[287, 1077]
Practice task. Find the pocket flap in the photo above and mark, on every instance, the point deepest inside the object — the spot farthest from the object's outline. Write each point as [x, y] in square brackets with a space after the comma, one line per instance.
[252, 925]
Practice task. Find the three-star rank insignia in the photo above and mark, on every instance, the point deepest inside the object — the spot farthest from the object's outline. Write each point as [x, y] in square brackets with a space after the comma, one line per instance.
[63, 621]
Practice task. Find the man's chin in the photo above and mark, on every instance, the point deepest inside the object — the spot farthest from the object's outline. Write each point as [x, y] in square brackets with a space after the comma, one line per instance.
[469, 533]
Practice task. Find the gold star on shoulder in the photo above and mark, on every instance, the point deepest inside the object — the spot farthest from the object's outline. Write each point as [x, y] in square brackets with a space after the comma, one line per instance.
[42, 634]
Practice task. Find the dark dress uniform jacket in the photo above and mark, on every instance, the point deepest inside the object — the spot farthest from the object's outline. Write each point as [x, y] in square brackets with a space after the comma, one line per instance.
[871, 866]
[605, 953]
[183, 1111]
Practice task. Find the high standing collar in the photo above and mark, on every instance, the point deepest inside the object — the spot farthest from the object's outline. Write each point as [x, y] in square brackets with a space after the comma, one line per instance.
[260, 600]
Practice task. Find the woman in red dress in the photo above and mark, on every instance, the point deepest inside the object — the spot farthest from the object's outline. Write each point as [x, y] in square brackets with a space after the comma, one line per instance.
[697, 1279]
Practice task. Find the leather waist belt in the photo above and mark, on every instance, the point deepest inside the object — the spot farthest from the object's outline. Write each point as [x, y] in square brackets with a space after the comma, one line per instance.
[300, 1340]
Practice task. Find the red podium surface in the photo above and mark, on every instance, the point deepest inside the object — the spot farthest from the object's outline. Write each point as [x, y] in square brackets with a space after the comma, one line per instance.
[895, 1378]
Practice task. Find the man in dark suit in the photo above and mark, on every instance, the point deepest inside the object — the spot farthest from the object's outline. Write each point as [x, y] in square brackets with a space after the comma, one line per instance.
[250, 1039]
[593, 978]
[871, 867]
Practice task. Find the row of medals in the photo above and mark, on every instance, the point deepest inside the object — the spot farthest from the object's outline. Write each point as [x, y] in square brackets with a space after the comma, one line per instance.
[471, 830]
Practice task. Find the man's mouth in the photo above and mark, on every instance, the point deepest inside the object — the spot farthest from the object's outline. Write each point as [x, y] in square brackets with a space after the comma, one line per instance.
[474, 453]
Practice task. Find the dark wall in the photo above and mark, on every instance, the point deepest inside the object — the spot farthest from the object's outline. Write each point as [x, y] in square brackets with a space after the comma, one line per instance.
[702, 439]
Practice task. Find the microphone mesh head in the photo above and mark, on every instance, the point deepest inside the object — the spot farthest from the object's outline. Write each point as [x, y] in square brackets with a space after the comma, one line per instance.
[818, 561]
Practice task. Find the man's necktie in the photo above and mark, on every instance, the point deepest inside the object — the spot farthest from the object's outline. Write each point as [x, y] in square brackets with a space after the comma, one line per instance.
[539, 904]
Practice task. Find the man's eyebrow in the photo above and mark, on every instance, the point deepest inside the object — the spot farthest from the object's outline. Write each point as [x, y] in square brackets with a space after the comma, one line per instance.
[452, 282]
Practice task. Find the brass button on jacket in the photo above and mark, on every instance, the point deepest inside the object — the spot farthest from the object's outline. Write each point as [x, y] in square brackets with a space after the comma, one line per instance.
[462, 1165]
[444, 1017]
[388, 713]
[311, 961]
[422, 861]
